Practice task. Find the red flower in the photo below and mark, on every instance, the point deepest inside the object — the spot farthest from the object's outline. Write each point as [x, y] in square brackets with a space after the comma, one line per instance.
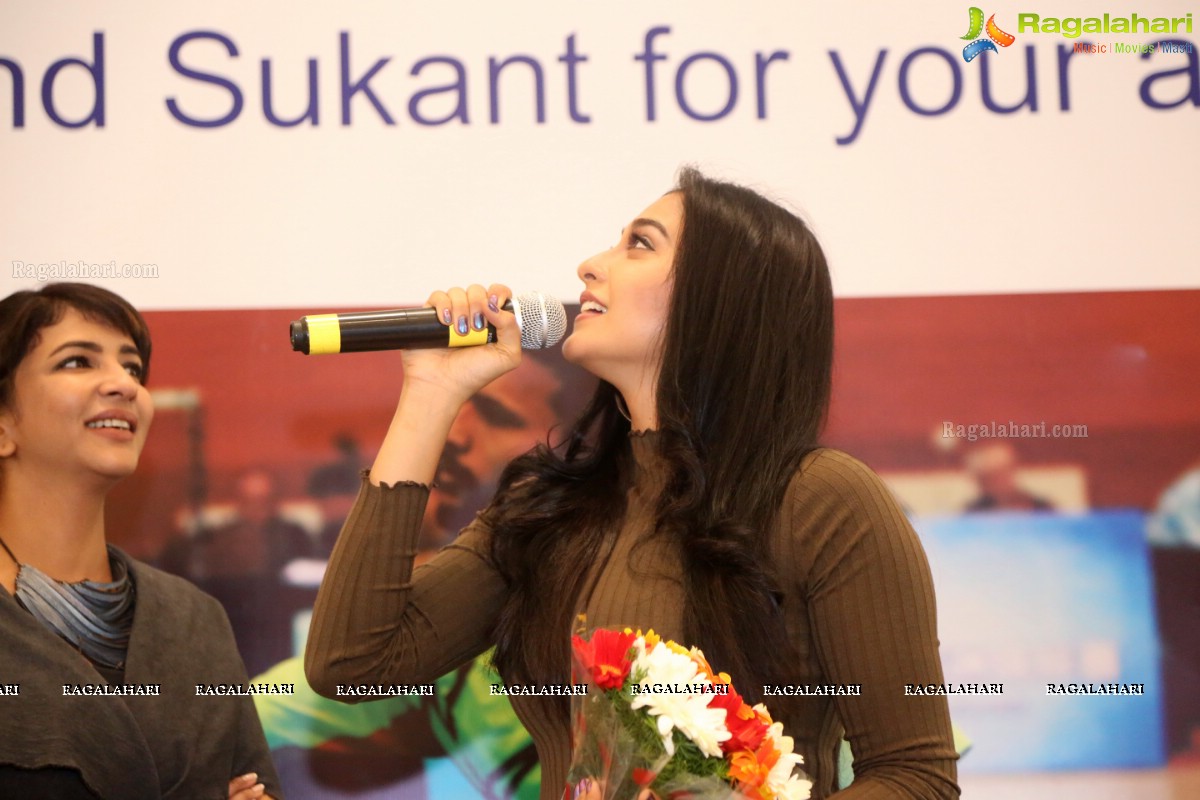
[746, 729]
[643, 777]
[605, 656]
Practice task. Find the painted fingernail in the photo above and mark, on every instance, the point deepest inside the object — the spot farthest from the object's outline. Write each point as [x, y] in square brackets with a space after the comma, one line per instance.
[446, 315]
[462, 326]
[478, 320]
[494, 303]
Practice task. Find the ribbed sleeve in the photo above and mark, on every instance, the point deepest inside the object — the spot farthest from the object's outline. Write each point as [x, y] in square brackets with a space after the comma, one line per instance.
[861, 576]
[376, 620]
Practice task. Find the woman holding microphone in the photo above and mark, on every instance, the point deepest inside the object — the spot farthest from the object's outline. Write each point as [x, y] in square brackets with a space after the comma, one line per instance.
[690, 497]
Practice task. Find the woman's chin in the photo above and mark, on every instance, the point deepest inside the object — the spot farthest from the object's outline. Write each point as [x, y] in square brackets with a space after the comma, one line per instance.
[113, 471]
[571, 350]
[576, 351]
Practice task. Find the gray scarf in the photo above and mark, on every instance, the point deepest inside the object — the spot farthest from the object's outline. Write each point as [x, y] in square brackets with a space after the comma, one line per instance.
[94, 617]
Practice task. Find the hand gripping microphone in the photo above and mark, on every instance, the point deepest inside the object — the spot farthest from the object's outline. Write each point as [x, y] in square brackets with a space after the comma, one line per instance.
[542, 321]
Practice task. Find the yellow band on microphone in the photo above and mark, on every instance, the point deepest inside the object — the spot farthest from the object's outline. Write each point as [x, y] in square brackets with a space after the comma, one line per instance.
[324, 334]
[468, 339]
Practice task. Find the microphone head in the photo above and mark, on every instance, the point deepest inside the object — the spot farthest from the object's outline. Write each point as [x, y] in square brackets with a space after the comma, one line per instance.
[541, 318]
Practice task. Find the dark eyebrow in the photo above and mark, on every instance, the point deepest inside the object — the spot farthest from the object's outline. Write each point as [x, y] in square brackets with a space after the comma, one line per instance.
[653, 223]
[92, 347]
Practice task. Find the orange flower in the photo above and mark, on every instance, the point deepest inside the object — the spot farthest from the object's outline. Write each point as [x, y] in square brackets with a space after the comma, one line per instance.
[766, 753]
[743, 768]
[715, 677]
[749, 775]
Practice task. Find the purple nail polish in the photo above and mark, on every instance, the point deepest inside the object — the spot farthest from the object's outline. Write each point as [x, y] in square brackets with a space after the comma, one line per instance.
[462, 326]
[479, 320]
[446, 315]
[494, 303]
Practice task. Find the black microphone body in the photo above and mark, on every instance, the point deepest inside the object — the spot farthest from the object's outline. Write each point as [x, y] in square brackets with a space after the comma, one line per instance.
[542, 322]
[397, 329]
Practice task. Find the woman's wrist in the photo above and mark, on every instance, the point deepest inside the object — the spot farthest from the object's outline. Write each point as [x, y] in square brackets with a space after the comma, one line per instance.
[431, 399]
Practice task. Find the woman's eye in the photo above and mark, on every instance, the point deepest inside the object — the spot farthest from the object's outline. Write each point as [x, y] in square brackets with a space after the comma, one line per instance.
[135, 370]
[74, 362]
[639, 242]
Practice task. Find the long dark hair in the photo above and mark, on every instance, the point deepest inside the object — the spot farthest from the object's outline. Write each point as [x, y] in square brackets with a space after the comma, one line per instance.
[741, 398]
[23, 315]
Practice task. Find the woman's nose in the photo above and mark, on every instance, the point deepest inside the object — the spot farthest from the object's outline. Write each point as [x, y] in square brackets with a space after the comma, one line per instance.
[118, 381]
[592, 269]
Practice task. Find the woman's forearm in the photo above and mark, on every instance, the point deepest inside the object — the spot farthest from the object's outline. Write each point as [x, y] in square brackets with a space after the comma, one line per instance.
[416, 436]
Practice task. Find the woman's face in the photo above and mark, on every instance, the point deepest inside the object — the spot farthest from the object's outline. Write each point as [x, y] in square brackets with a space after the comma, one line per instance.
[78, 406]
[627, 291]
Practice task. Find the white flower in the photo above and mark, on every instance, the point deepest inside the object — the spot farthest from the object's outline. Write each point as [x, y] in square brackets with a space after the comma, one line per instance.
[687, 712]
[780, 780]
[796, 788]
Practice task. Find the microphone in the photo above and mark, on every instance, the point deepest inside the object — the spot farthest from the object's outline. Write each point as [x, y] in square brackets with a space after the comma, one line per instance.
[542, 321]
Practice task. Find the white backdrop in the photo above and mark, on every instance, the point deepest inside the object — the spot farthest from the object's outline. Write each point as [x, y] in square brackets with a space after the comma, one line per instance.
[251, 214]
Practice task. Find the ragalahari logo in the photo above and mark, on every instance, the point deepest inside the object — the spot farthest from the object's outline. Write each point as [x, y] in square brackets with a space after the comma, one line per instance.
[995, 36]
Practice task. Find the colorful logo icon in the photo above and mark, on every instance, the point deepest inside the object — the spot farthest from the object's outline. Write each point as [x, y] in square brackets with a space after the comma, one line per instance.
[995, 36]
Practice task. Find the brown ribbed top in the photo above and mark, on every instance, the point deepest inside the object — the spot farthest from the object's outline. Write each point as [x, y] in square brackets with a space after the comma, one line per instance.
[858, 601]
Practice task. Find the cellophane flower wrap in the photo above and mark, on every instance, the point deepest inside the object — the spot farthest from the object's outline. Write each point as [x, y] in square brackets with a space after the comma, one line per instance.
[656, 717]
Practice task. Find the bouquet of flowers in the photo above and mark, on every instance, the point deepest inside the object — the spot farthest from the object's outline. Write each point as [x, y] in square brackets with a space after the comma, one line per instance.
[658, 722]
